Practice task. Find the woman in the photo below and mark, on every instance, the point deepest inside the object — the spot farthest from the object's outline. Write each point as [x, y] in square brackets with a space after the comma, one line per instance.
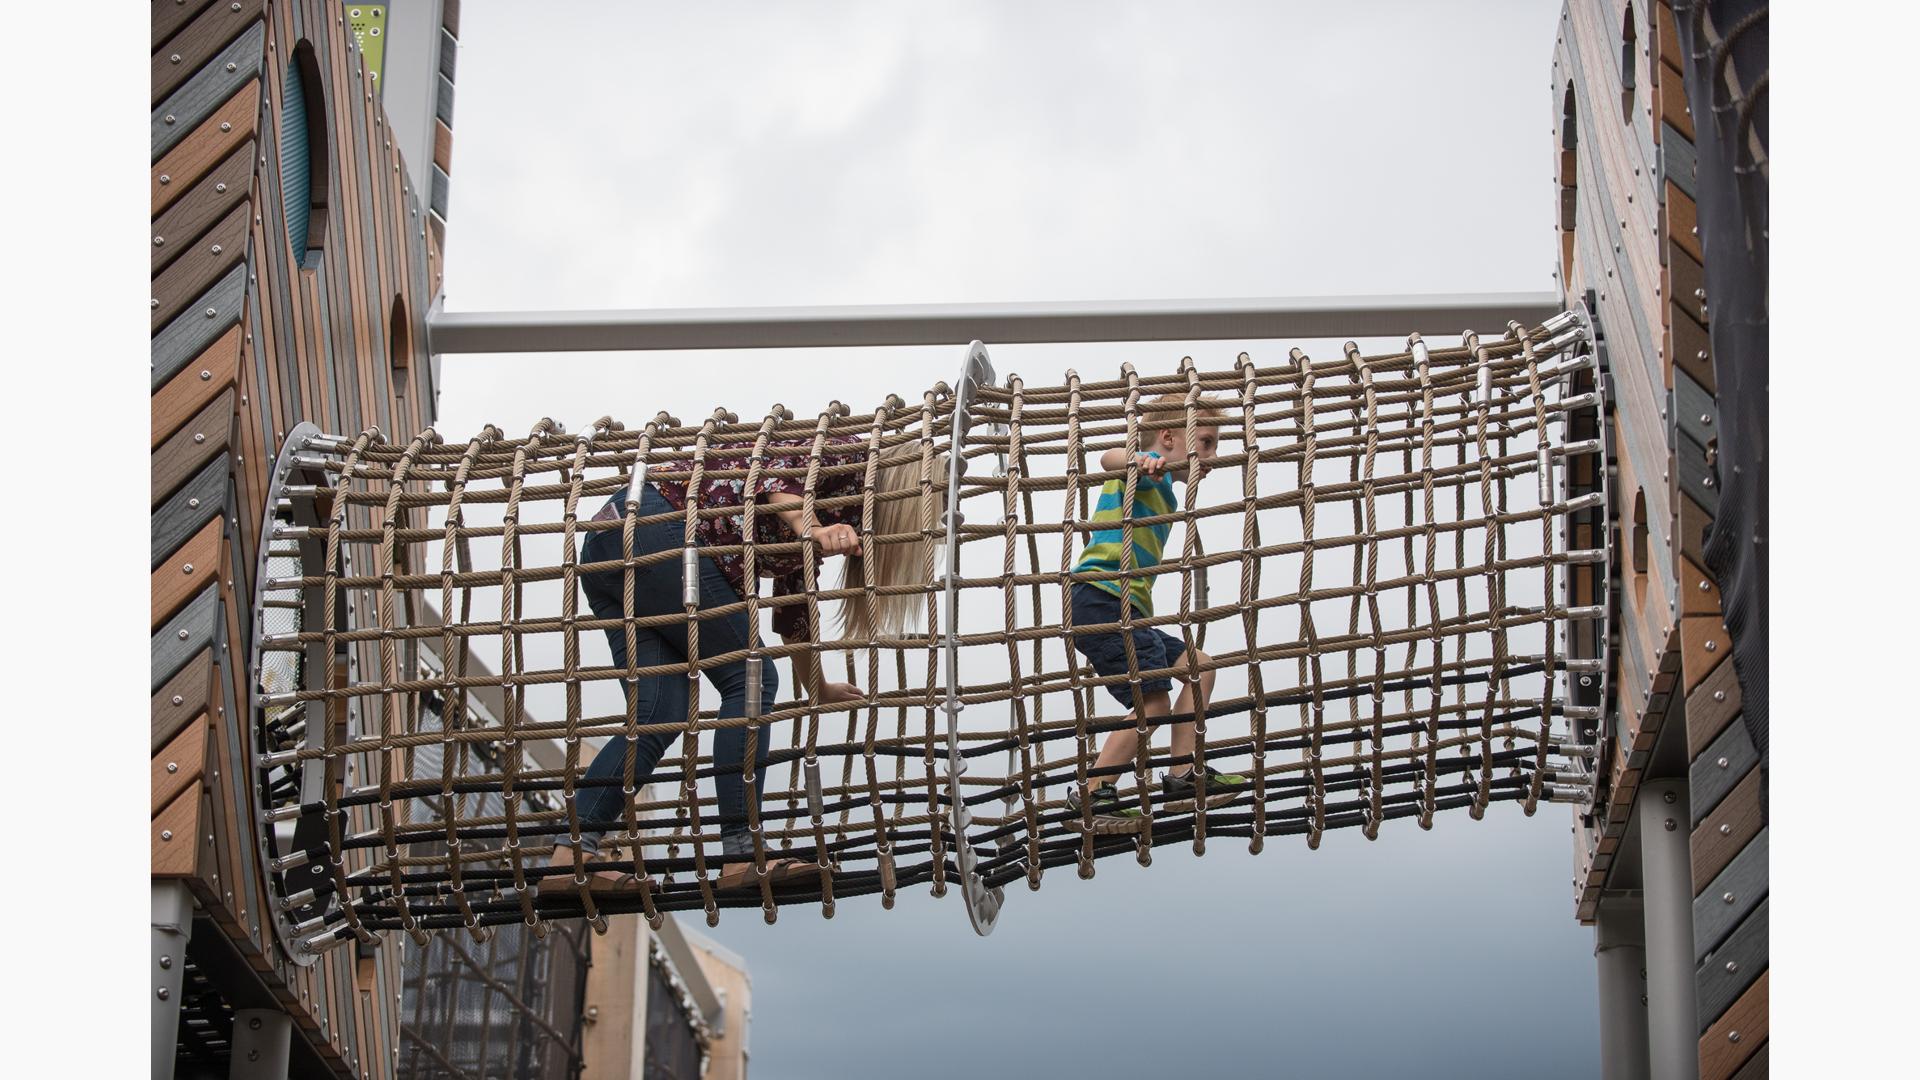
[658, 590]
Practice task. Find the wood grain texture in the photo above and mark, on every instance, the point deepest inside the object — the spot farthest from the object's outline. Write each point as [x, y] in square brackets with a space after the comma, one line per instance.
[1726, 830]
[1720, 1051]
[1730, 897]
[180, 763]
[195, 271]
[1704, 646]
[1709, 708]
[175, 835]
[1728, 970]
[197, 383]
[191, 331]
[1674, 112]
[1756, 1066]
[223, 188]
[184, 635]
[183, 697]
[187, 509]
[231, 68]
[170, 15]
[184, 53]
[442, 147]
[1695, 413]
[1714, 774]
[1698, 594]
[188, 450]
[1682, 222]
[231, 125]
[186, 572]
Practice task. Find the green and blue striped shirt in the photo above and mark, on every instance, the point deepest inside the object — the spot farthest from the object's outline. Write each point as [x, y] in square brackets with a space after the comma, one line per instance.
[1152, 497]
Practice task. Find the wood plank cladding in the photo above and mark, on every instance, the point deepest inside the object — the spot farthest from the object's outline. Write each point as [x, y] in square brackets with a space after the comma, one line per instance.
[1735, 1036]
[1723, 833]
[247, 342]
[186, 52]
[230, 125]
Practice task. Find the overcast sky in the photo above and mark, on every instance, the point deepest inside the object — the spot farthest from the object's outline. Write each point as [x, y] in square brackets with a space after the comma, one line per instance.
[620, 156]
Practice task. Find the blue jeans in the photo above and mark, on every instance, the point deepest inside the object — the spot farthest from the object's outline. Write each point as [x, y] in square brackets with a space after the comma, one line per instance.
[663, 698]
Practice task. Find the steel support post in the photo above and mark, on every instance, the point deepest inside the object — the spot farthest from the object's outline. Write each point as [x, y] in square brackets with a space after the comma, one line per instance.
[1620, 959]
[172, 924]
[262, 1044]
[1673, 1034]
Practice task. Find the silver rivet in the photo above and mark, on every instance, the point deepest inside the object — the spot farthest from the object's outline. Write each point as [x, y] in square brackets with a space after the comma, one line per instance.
[187, 569]
[220, 188]
[165, 179]
[167, 119]
[1712, 645]
[166, 834]
[211, 313]
[224, 126]
[1732, 966]
[173, 766]
[233, 6]
[159, 240]
[166, 962]
[205, 374]
[1722, 763]
[1726, 830]
[1705, 418]
[199, 436]
[1672, 824]
[162, 992]
[1727, 897]
[232, 66]
[1733, 1036]
[193, 503]
[154, 303]
[177, 699]
[183, 635]
[174, 59]
[1669, 797]
[1705, 587]
[216, 249]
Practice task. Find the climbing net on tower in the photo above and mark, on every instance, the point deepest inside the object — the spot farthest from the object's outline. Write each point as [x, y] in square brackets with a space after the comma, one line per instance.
[1395, 571]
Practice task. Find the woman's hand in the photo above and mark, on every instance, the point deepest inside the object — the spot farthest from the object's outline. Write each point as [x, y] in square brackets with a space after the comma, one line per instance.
[836, 539]
[837, 693]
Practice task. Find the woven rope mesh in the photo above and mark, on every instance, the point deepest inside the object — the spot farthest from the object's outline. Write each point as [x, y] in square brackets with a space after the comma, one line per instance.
[1375, 567]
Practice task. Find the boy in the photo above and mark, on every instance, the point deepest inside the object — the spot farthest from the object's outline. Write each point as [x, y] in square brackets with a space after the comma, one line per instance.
[1098, 602]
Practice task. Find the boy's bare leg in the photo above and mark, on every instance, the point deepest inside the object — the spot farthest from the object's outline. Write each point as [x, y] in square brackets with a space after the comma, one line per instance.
[1193, 700]
[1123, 745]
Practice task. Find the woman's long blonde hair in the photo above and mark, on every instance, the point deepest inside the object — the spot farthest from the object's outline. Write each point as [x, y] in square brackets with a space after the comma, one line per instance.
[863, 616]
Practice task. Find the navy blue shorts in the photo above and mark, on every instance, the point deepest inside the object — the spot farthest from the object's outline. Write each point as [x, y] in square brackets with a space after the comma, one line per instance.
[1153, 648]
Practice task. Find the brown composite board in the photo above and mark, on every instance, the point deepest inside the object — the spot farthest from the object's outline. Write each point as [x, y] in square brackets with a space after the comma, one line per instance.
[1668, 39]
[1720, 1052]
[208, 146]
[1698, 593]
[181, 762]
[170, 15]
[174, 835]
[1674, 111]
[195, 385]
[185, 573]
[196, 443]
[1726, 830]
[192, 273]
[1710, 707]
[183, 53]
[181, 698]
[1704, 645]
[190, 332]
[225, 185]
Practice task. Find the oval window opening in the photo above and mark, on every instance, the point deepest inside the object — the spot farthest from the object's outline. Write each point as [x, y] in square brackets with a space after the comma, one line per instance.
[303, 156]
[399, 346]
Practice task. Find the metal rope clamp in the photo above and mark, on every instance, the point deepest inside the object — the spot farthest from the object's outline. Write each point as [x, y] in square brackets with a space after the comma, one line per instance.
[983, 903]
[292, 830]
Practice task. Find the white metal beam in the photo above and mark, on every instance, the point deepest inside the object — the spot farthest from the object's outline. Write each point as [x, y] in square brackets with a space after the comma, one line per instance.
[948, 324]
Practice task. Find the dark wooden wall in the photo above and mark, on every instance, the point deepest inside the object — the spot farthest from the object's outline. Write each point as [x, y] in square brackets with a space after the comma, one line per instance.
[247, 343]
[1629, 245]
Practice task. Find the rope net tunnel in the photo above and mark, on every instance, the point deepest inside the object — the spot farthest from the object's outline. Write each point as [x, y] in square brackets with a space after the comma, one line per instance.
[1393, 575]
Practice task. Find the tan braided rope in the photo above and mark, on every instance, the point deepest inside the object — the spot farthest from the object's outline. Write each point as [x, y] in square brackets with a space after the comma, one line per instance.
[1370, 662]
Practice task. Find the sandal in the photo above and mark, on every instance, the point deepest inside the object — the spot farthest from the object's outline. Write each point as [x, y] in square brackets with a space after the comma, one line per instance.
[599, 883]
[780, 872]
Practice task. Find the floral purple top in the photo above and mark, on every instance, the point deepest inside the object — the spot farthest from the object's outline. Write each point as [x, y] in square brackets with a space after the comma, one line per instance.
[785, 568]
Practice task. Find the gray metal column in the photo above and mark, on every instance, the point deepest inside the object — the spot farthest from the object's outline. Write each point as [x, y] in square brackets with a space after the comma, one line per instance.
[1673, 1037]
[262, 1042]
[1620, 958]
[172, 924]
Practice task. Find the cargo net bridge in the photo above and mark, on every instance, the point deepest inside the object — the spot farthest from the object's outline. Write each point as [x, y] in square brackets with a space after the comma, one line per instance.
[1395, 571]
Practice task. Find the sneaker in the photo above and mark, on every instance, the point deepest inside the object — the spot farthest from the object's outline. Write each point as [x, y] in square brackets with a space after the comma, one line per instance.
[1106, 802]
[1219, 785]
